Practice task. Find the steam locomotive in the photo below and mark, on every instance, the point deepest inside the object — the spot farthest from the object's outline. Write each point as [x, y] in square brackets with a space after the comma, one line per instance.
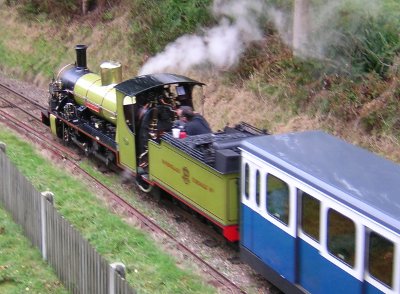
[128, 124]
[312, 213]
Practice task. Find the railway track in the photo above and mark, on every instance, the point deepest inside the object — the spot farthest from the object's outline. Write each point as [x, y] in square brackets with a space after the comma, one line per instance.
[23, 115]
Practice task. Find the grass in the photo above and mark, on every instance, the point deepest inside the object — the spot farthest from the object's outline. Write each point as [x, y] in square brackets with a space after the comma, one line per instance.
[22, 269]
[113, 182]
[149, 270]
[28, 57]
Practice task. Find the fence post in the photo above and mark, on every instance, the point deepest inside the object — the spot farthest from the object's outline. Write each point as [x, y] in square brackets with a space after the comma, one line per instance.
[49, 196]
[3, 147]
[118, 267]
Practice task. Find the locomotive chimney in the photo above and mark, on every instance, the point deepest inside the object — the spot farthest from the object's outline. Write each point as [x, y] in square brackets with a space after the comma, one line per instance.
[81, 56]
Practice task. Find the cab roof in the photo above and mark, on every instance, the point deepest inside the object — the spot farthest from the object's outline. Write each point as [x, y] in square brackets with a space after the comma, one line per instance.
[140, 84]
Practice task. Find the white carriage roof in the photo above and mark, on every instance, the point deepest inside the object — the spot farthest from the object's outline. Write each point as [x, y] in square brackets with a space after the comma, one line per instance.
[364, 181]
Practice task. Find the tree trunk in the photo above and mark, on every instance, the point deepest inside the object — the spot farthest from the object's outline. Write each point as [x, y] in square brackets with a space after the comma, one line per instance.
[85, 6]
[301, 26]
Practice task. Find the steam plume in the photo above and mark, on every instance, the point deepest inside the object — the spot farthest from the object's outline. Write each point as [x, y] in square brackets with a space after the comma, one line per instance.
[239, 24]
[219, 46]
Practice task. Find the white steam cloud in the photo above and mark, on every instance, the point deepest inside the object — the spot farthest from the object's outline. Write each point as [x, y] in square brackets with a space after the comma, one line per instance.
[239, 24]
[220, 46]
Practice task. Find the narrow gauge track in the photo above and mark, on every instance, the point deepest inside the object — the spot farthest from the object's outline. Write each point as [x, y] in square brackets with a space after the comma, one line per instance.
[20, 102]
[217, 279]
[24, 115]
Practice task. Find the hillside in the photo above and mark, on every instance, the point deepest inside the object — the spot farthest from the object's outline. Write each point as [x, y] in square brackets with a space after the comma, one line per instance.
[250, 71]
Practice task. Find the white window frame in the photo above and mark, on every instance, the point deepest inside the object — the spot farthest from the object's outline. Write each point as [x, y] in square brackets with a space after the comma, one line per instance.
[265, 168]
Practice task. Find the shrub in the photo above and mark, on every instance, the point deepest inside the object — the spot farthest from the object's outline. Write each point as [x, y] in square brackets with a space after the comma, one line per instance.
[366, 42]
[155, 23]
[62, 9]
[54, 8]
[372, 47]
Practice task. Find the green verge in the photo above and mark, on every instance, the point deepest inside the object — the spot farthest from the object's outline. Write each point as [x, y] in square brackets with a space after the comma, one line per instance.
[149, 270]
[21, 266]
[113, 182]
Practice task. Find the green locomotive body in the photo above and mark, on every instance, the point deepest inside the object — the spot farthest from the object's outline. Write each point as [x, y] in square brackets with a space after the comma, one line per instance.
[210, 192]
[128, 124]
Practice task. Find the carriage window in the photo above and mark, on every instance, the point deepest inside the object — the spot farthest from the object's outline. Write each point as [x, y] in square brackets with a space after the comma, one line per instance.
[278, 198]
[258, 187]
[246, 181]
[310, 211]
[381, 252]
[341, 237]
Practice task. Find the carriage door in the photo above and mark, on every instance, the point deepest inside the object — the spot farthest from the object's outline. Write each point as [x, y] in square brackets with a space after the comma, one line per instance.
[327, 248]
[277, 232]
[308, 247]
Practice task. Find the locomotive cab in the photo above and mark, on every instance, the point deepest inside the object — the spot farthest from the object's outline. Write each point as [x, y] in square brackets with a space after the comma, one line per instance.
[152, 114]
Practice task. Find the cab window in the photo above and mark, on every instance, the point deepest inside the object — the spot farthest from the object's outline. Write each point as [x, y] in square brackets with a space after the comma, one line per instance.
[129, 112]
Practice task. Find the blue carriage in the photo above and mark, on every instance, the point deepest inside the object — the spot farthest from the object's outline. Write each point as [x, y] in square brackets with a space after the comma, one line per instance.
[320, 215]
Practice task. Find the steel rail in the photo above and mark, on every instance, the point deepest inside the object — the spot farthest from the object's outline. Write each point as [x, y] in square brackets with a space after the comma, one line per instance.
[7, 88]
[60, 151]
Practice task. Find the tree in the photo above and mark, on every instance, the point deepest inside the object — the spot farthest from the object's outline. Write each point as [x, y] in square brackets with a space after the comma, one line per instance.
[85, 6]
[301, 26]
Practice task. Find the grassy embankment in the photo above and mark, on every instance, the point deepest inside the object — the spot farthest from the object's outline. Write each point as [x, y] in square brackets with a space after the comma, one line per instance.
[269, 88]
[22, 269]
[149, 270]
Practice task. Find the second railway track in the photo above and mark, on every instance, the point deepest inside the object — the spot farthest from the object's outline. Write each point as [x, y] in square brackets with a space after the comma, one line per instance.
[23, 115]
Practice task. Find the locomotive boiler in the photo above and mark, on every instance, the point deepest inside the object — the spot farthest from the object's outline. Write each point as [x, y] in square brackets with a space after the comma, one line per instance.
[128, 124]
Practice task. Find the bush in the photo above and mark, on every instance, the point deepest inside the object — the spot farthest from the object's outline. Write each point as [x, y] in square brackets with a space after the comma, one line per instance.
[365, 42]
[158, 22]
[53, 8]
[372, 47]
[378, 122]
[62, 9]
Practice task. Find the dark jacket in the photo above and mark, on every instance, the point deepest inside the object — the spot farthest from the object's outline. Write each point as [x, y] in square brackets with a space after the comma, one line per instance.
[197, 125]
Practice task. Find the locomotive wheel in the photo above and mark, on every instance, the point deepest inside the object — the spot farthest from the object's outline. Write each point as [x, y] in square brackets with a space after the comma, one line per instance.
[142, 184]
